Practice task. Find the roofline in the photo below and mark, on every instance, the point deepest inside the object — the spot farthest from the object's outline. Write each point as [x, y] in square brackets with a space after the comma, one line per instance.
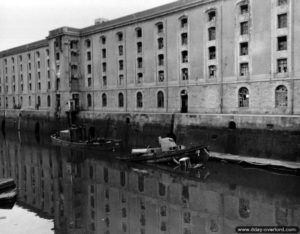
[146, 15]
[141, 16]
[24, 48]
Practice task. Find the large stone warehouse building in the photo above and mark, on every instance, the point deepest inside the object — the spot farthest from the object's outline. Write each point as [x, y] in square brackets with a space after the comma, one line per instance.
[199, 57]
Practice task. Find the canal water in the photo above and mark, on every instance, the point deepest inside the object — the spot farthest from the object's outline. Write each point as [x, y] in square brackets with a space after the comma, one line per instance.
[62, 190]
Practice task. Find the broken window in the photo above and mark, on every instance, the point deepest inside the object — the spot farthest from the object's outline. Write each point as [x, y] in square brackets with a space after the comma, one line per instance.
[282, 66]
[244, 28]
[243, 97]
[244, 48]
[160, 99]
[104, 67]
[244, 9]
[140, 78]
[139, 104]
[281, 96]
[89, 69]
[88, 56]
[184, 56]
[121, 104]
[212, 33]
[121, 79]
[139, 47]
[160, 27]
[120, 36]
[104, 100]
[184, 39]
[183, 22]
[138, 32]
[139, 62]
[160, 60]
[89, 100]
[244, 69]
[121, 65]
[282, 2]
[103, 53]
[184, 74]
[282, 43]
[212, 52]
[103, 40]
[160, 43]
[211, 16]
[161, 76]
[282, 21]
[120, 50]
[104, 81]
[212, 71]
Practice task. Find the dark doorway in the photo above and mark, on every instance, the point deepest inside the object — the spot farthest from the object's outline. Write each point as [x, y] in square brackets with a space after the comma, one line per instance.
[92, 132]
[184, 101]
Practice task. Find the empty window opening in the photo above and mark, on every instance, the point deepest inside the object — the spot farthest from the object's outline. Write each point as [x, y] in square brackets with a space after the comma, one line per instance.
[183, 22]
[184, 39]
[140, 62]
[104, 80]
[212, 71]
[244, 48]
[104, 100]
[211, 16]
[244, 9]
[160, 27]
[140, 78]
[184, 56]
[160, 60]
[161, 76]
[120, 36]
[89, 100]
[120, 50]
[121, 65]
[160, 43]
[184, 101]
[121, 100]
[138, 32]
[282, 43]
[282, 2]
[103, 53]
[139, 47]
[184, 74]
[212, 52]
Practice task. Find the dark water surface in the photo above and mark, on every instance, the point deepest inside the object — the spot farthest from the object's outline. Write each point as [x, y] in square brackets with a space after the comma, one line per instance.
[62, 190]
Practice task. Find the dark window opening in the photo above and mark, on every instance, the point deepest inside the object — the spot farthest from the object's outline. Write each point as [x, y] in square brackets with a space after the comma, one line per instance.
[244, 9]
[160, 99]
[282, 43]
[243, 97]
[211, 16]
[244, 69]
[282, 66]
[244, 28]
[139, 100]
[104, 100]
[212, 52]
[244, 48]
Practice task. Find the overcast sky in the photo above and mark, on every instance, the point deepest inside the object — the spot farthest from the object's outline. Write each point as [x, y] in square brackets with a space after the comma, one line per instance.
[25, 21]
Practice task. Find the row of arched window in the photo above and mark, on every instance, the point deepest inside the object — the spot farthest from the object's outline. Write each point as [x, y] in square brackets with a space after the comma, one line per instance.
[139, 100]
[281, 96]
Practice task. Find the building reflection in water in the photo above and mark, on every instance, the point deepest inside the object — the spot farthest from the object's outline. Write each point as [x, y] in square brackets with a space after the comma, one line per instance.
[85, 192]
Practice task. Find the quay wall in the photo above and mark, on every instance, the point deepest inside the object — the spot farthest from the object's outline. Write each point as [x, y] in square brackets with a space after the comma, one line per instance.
[273, 137]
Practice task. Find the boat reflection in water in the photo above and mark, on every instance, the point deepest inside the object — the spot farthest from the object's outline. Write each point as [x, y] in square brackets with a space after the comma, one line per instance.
[86, 192]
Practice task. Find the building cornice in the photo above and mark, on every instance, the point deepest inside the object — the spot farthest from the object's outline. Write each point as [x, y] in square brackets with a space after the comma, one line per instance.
[146, 15]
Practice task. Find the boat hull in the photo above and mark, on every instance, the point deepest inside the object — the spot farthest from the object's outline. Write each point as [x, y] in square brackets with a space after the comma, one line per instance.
[103, 144]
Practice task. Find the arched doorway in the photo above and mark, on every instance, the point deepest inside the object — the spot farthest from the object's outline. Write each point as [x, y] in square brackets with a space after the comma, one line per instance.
[184, 101]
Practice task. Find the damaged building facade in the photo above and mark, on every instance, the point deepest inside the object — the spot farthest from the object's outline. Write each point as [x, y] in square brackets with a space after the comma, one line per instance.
[201, 57]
